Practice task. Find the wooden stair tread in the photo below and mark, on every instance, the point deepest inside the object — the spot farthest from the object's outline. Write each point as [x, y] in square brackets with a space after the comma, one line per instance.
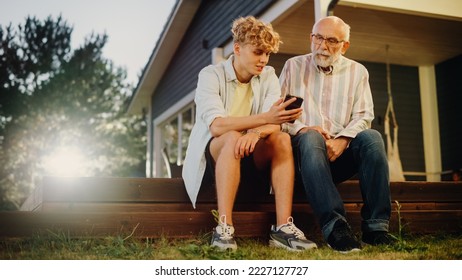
[191, 223]
[96, 189]
[152, 207]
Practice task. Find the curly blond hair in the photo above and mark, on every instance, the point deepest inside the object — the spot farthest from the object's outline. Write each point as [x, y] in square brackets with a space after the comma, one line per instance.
[249, 30]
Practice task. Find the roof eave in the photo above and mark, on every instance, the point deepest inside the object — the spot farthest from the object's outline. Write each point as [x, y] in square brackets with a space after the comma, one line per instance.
[179, 21]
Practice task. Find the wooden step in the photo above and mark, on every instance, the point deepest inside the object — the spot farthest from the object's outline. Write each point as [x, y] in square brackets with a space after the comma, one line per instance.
[193, 223]
[207, 207]
[152, 207]
[156, 190]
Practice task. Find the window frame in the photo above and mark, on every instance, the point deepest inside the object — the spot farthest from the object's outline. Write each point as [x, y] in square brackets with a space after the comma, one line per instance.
[175, 111]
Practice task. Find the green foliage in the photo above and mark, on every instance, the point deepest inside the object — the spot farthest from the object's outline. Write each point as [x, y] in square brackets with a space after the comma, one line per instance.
[52, 96]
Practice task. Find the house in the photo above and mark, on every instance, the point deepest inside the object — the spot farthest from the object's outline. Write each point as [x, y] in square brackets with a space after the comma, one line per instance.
[421, 40]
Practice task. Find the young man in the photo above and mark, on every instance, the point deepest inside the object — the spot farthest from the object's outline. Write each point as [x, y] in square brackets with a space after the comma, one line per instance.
[334, 141]
[237, 133]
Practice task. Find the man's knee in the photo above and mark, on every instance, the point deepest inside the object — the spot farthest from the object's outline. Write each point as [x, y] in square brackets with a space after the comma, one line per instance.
[226, 141]
[370, 134]
[279, 139]
[371, 137]
[371, 146]
[279, 136]
[231, 137]
[311, 139]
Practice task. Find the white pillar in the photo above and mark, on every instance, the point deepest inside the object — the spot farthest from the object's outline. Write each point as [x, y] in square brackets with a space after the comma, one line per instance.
[320, 9]
[218, 55]
[149, 151]
[430, 123]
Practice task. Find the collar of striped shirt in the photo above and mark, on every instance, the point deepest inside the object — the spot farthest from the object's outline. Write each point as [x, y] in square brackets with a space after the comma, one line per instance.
[326, 70]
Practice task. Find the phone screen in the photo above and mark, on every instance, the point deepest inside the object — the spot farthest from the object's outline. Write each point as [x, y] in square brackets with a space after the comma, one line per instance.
[294, 105]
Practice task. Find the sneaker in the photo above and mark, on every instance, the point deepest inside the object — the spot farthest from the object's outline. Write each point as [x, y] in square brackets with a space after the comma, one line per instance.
[289, 237]
[378, 238]
[342, 238]
[222, 236]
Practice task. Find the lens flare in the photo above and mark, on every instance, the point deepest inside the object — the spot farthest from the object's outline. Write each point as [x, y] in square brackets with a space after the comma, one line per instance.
[65, 161]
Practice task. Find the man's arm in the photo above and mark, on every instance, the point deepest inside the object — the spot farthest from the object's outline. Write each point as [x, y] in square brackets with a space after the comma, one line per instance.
[275, 116]
[363, 109]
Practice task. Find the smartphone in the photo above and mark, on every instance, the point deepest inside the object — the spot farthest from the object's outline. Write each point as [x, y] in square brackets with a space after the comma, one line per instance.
[294, 105]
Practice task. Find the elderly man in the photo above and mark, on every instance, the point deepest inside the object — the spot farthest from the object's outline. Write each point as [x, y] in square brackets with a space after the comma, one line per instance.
[332, 141]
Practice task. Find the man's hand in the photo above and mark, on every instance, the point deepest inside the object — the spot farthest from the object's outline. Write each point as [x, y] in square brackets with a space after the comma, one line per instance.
[278, 114]
[245, 145]
[336, 147]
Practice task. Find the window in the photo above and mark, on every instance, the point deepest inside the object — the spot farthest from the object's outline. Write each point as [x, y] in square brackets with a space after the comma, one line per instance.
[174, 137]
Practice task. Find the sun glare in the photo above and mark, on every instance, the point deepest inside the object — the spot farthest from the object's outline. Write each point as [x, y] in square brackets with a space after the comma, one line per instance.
[66, 162]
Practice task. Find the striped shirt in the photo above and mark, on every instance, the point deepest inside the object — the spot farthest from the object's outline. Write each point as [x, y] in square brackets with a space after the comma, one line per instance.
[340, 101]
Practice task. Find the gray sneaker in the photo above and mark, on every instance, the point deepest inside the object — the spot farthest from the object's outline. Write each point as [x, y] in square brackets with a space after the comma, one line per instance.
[290, 238]
[222, 236]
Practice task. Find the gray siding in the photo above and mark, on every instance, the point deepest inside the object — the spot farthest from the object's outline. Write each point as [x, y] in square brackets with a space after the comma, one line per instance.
[405, 90]
[449, 88]
[210, 28]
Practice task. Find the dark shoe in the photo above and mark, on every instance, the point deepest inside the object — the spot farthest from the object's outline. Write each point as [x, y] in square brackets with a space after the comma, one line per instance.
[378, 238]
[342, 238]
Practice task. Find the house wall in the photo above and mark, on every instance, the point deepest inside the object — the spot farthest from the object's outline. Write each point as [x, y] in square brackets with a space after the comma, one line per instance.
[405, 92]
[449, 88]
[210, 28]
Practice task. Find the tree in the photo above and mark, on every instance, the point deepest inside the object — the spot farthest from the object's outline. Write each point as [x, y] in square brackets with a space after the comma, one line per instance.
[54, 98]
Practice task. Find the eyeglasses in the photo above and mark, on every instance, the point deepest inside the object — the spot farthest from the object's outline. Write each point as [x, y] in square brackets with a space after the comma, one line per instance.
[330, 42]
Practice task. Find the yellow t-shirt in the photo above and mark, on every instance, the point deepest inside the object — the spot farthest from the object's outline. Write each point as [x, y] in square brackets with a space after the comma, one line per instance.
[242, 100]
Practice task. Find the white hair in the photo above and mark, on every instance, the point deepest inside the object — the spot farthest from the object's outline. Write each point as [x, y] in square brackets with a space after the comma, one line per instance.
[336, 20]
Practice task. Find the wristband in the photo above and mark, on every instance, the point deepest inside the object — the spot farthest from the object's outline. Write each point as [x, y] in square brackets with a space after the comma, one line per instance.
[256, 131]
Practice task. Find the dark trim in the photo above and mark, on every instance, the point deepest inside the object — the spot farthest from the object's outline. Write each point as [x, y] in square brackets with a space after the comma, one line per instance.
[330, 8]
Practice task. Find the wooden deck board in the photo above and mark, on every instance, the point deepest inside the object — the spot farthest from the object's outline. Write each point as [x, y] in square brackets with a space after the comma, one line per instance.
[192, 223]
[90, 189]
[181, 207]
[94, 207]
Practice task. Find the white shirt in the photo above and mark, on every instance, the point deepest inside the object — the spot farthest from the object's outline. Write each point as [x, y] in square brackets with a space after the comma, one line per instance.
[214, 95]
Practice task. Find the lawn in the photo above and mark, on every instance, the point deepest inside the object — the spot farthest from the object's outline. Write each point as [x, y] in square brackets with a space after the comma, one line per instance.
[54, 246]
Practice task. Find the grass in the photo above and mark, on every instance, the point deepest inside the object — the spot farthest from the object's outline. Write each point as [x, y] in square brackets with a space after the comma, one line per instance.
[59, 246]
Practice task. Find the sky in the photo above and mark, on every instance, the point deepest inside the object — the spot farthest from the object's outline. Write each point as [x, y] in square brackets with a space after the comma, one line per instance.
[133, 26]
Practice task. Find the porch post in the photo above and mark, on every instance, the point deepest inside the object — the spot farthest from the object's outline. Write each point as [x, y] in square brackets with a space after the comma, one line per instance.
[149, 151]
[320, 9]
[430, 123]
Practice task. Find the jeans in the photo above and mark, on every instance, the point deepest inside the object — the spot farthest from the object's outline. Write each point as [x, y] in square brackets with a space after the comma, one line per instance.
[366, 157]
